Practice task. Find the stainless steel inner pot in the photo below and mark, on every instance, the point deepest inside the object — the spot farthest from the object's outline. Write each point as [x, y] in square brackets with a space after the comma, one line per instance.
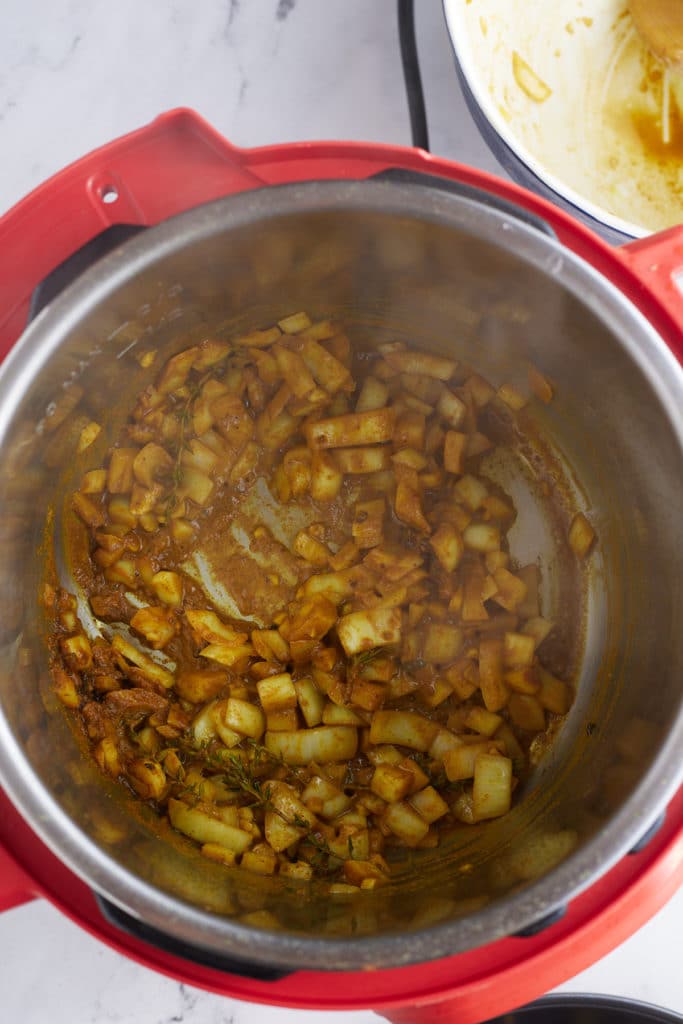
[450, 273]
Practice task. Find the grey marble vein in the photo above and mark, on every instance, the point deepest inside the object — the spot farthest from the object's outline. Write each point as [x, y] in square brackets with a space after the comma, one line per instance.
[233, 11]
[284, 9]
[188, 1001]
[8, 106]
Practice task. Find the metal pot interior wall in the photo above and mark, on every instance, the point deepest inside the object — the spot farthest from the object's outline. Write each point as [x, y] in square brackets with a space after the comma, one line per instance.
[442, 276]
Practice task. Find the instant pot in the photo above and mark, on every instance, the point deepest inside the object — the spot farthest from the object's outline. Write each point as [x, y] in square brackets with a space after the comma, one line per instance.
[172, 222]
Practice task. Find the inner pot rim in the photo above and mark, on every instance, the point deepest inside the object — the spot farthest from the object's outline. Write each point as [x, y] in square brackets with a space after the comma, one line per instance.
[212, 932]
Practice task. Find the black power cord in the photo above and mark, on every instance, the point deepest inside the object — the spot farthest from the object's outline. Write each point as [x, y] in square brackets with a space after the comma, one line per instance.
[411, 74]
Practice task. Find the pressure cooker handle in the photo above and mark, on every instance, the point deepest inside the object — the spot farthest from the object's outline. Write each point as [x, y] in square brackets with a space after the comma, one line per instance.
[176, 162]
[657, 265]
[171, 165]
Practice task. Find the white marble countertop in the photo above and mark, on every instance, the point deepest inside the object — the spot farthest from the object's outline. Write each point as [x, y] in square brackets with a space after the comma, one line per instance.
[77, 73]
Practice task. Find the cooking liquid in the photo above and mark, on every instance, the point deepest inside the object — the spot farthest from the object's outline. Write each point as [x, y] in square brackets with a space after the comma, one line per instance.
[642, 134]
[661, 134]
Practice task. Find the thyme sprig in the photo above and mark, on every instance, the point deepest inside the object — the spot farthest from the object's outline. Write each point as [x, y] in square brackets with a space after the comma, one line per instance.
[239, 773]
[365, 657]
[317, 841]
[261, 755]
[184, 421]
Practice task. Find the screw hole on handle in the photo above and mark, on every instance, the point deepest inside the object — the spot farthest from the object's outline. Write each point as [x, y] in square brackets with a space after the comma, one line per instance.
[109, 194]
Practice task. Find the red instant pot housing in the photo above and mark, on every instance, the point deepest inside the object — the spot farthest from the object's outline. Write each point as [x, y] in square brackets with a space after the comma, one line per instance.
[176, 163]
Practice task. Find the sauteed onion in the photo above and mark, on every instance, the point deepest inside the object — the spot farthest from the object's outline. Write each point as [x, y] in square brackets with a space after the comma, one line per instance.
[388, 684]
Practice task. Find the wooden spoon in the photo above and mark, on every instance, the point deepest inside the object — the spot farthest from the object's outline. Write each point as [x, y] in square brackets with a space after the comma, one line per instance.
[660, 25]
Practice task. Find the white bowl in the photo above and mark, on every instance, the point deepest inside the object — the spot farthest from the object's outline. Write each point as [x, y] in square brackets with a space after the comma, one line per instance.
[582, 142]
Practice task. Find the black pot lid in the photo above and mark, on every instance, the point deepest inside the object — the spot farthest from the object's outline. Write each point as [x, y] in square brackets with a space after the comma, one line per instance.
[588, 1009]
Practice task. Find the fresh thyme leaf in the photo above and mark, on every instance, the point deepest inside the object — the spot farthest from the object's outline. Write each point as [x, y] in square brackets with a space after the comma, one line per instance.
[195, 790]
[318, 842]
[185, 420]
[365, 657]
[239, 775]
[263, 755]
